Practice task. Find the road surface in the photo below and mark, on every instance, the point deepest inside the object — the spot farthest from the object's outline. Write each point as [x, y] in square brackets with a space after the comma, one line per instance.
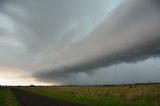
[29, 99]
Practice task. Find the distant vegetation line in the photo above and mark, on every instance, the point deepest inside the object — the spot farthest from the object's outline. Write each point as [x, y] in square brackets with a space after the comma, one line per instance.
[32, 85]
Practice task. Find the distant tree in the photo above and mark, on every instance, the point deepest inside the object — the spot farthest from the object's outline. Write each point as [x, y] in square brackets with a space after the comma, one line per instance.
[31, 85]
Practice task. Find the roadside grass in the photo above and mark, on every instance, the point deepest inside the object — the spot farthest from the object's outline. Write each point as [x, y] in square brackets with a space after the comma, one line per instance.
[142, 95]
[7, 98]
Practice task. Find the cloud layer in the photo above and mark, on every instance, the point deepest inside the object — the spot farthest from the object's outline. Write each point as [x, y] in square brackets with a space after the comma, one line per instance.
[61, 41]
[131, 34]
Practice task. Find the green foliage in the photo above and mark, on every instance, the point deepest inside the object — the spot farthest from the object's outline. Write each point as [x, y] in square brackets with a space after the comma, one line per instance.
[146, 95]
[7, 98]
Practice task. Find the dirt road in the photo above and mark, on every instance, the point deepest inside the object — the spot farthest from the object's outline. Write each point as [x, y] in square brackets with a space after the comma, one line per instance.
[29, 99]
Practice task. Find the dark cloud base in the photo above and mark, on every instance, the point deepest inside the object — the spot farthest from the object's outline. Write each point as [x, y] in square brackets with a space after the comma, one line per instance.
[149, 48]
[67, 41]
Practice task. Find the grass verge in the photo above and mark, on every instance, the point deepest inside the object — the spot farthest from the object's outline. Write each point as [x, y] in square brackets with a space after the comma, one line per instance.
[7, 98]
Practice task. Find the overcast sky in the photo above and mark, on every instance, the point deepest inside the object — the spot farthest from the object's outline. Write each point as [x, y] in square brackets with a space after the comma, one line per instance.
[79, 41]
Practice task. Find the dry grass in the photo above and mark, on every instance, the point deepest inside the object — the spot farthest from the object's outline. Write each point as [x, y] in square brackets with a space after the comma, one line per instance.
[141, 95]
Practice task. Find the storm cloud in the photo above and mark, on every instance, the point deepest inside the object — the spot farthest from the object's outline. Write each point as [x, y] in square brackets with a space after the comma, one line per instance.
[67, 41]
[131, 34]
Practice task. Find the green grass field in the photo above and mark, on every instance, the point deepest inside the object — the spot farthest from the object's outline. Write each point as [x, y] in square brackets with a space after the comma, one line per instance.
[141, 95]
[7, 98]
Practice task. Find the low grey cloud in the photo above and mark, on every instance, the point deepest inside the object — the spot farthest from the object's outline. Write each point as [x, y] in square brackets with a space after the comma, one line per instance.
[130, 35]
[65, 41]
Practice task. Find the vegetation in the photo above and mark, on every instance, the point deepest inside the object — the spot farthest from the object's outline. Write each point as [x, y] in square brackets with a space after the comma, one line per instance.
[7, 98]
[138, 95]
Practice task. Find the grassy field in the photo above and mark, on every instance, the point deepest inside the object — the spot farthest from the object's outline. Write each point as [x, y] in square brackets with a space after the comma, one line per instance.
[139, 95]
[7, 98]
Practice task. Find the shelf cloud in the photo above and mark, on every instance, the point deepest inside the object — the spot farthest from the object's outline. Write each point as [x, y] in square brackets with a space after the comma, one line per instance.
[131, 34]
[60, 41]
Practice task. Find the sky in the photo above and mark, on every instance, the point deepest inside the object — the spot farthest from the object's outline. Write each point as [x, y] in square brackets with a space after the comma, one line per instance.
[80, 42]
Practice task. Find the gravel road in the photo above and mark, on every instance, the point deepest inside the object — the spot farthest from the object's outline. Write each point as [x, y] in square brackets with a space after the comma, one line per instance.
[29, 99]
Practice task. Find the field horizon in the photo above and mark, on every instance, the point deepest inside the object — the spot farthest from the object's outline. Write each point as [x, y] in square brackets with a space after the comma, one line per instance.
[112, 95]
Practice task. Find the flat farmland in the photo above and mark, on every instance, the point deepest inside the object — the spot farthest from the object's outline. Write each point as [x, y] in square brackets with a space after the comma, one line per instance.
[131, 95]
[10, 96]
